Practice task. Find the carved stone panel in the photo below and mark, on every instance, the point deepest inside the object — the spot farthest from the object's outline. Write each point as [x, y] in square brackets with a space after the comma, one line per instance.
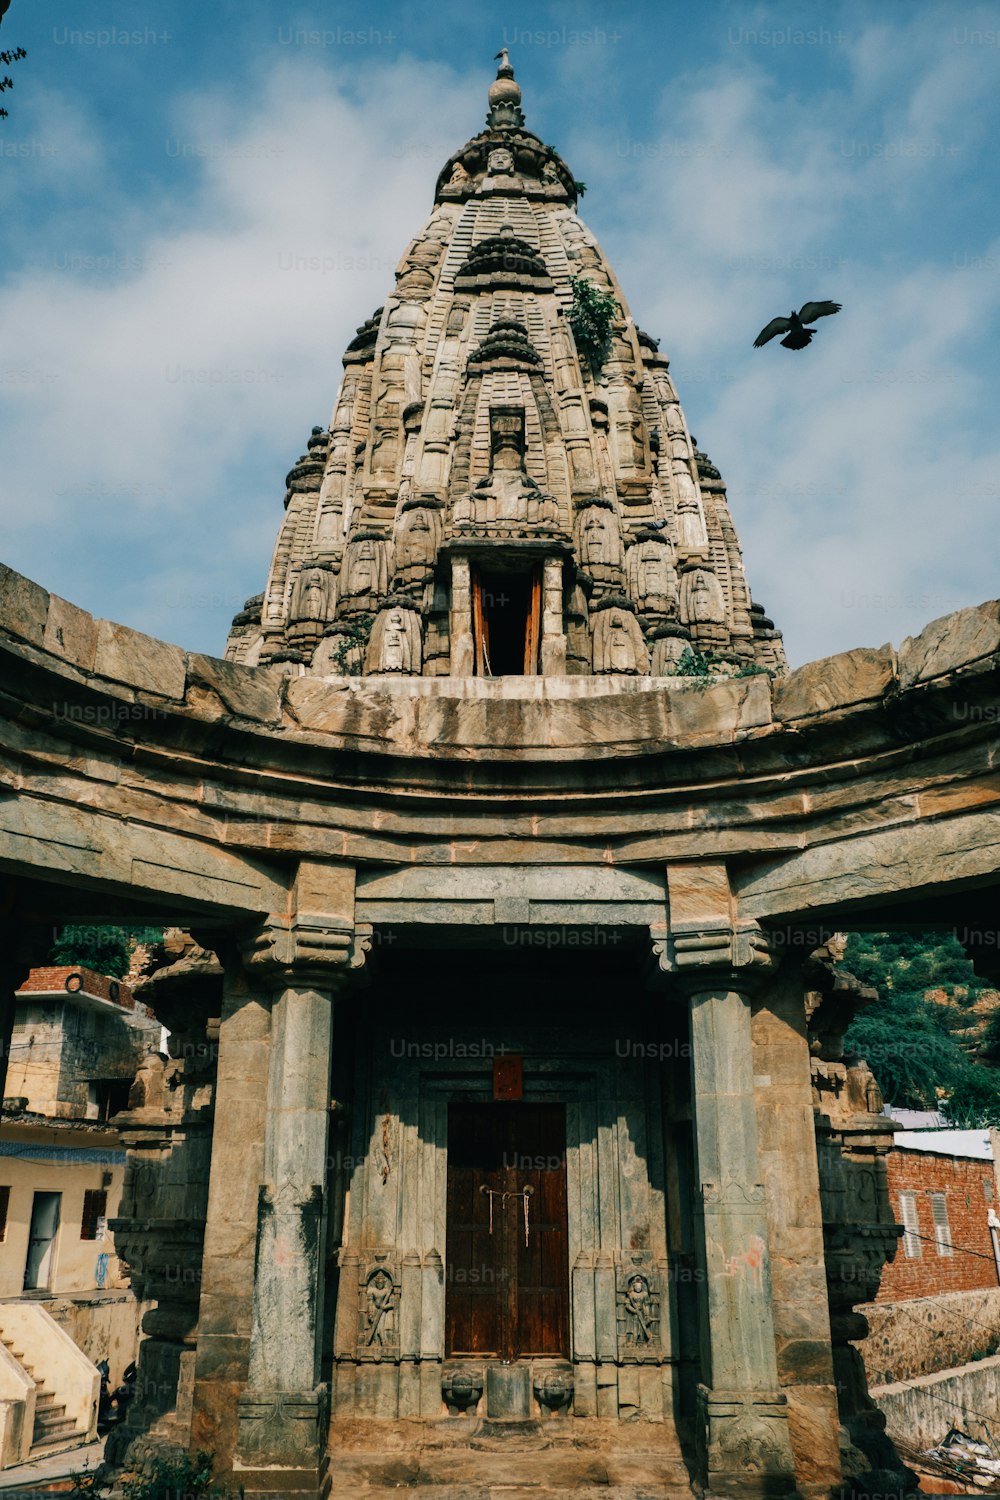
[618, 642]
[378, 1309]
[637, 1297]
[395, 639]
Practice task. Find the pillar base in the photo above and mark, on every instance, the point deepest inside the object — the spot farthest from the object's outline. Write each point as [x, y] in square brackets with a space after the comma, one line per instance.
[281, 1444]
[743, 1443]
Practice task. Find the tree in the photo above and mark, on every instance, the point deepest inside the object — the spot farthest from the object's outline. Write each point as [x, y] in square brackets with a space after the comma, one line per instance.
[912, 1042]
[106, 950]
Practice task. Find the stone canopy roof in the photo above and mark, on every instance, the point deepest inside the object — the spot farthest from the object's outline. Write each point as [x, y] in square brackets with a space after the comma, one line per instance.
[477, 427]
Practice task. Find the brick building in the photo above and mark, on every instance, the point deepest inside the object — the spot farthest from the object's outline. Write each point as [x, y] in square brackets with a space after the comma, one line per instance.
[78, 1040]
[943, 1189]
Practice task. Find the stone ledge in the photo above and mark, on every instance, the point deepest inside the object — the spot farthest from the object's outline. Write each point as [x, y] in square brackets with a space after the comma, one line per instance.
[24, 606]
[128, 656]
[967, 638]
[472, 718]
[843, 681]
[216, 688]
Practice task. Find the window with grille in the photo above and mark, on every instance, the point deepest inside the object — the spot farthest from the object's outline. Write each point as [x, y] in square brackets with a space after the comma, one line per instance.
[4, 1205]
[911, 1230]
[95, 1209]
[942, 1229]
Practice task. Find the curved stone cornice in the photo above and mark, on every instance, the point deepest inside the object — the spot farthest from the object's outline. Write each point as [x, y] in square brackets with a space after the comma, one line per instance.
[136, 765]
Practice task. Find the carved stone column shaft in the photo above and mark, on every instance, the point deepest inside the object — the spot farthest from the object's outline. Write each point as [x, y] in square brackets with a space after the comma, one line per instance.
[731, 1198]
[743, 1435]
[288, 1289]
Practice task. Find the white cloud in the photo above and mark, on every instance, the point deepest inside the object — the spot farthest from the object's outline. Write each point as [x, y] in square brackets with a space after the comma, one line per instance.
[862, 472]
[158, 406]
[154, 391]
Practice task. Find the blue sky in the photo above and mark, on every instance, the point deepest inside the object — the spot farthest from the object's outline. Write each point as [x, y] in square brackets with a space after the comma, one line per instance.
[199, 204]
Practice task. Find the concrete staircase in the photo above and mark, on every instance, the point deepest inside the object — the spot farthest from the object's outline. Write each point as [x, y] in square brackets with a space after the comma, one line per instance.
[64, 1383]
[479, 1459]
[52, 1428]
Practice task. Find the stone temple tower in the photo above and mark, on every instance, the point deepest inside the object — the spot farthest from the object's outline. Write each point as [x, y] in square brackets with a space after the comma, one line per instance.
[497, 494]
[508, 1138]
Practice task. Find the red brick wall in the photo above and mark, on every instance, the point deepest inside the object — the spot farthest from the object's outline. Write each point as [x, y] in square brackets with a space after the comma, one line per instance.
[54, 978]
[969, 1192]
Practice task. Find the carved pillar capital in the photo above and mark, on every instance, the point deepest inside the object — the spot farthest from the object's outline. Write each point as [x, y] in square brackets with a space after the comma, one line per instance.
[734, 955]
[705, 944]
[306, 951]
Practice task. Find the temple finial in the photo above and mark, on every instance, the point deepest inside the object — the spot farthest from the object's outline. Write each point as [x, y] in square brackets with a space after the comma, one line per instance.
[505, 97]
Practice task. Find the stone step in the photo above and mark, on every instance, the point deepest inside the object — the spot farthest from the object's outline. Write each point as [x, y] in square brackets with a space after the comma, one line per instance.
[563, 1469]
[48, 1428]
[48, 1411]
[515, 1492]
[52, 1447]
[60, 1434]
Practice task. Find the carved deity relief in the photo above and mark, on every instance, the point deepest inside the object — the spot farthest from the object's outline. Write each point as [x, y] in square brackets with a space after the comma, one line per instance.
[366, 566]
[418, 536]
[618, 643]
[683, 483]
[500, 161]
[675, 421]
[395, 641]
[637, 1311]
[691, 533]
[667, 650]
[314, 596]
[652, 576]
[599, 539]
[701, 598]
[379, 1310]
[863, 1093]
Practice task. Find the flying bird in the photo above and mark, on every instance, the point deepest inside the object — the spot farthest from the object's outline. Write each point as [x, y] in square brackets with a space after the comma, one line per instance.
[798, 335]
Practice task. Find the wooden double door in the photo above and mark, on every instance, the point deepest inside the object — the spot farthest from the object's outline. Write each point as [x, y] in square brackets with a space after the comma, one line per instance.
[507, 1267]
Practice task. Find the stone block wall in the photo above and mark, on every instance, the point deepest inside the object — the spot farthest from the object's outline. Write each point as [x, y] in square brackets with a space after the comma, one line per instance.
[919, 1412]
[924, 1335]
[969, 1189]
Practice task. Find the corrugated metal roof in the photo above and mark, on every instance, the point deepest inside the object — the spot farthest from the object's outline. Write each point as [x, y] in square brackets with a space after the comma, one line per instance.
[972, 1143]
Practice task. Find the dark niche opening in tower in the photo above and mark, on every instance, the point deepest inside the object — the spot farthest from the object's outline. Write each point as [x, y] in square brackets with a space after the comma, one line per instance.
[506, 614]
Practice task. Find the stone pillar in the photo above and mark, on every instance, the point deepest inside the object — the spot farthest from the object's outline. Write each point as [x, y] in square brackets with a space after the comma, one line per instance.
[788, 1158]
[237, 1167]
[160, 1229]
[463, 651]
[743, 1444]
[553, 632]
[283, 1412]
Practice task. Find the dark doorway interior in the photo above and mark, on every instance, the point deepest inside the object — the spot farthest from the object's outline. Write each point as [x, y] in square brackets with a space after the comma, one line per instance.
[506, 617]
[507, 1241]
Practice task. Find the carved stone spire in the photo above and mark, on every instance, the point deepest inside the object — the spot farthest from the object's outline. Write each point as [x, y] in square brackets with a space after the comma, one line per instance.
[479, 452]
[505, 97]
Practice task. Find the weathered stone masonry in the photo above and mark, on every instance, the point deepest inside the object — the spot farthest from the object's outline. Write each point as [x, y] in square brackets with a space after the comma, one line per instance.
[365, 828]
